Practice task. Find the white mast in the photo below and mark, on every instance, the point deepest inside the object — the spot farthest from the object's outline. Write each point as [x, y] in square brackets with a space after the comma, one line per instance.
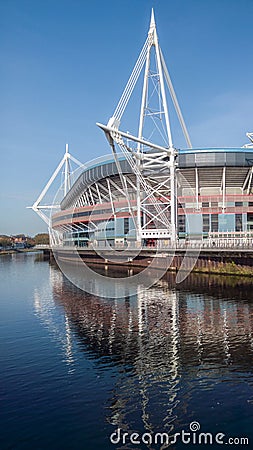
[153, 42]
[66, 170]
[156, 160]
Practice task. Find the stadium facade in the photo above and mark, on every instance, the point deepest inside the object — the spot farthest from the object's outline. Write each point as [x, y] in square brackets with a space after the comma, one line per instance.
[214, 200]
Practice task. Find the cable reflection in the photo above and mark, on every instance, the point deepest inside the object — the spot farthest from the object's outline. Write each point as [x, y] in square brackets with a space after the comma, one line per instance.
[163, 342]
[46, 310]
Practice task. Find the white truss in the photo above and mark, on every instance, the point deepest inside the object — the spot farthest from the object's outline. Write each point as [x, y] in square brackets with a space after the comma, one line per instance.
[153, 165]
[110, 192]
[41, 209]
[247, 185]
[250, 144]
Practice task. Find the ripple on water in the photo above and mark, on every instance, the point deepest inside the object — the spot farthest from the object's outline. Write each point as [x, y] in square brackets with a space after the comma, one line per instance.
[75, 366]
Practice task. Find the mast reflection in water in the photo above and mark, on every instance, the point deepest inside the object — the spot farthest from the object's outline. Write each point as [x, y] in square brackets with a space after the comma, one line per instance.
[75, 367]
[174, 354]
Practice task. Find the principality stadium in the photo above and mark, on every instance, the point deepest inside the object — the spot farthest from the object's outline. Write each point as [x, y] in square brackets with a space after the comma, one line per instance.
[214, 200]
[147, 192]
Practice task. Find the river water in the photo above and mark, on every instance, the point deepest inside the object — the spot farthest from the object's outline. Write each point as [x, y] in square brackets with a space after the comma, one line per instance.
[83, 372]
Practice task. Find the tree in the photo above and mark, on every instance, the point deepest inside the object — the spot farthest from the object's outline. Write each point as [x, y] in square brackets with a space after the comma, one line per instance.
[41, 238]
[30, 241]
[5, 241]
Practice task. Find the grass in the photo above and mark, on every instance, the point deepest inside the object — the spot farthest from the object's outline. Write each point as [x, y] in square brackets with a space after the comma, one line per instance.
[229, 268]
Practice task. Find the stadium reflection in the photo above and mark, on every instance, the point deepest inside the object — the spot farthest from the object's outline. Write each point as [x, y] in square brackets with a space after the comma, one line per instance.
[167, 344]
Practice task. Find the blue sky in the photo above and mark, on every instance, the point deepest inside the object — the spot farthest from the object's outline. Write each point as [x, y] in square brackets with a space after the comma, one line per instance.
[64, 64]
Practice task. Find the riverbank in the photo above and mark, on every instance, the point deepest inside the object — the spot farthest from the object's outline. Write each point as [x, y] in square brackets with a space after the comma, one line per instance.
[13, 251]
[240, 264]
[230, 268]
[221, 262]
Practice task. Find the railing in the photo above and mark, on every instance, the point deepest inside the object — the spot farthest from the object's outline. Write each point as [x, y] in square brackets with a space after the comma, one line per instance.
[215, 245]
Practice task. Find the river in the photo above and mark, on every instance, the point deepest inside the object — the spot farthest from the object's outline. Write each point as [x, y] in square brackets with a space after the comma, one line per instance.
[83, 372]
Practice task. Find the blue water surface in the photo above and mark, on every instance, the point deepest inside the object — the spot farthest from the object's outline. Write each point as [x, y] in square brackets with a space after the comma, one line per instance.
[76, 368]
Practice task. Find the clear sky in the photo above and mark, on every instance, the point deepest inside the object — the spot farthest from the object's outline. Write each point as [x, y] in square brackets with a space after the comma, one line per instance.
[64, 64]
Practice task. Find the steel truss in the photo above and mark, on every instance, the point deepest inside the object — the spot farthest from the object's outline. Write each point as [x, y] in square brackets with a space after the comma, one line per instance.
[247, 185]
[44, 211]
[112, 192]
[153, 165]
[250, 144]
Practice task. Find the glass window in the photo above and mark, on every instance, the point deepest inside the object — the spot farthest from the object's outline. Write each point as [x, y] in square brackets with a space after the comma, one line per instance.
[181, 224]
[206, 223]
[126, 225]
[238, 222]
[214, 222]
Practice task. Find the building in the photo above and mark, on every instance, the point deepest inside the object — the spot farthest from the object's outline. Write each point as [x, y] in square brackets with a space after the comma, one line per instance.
[214, 200]
[151, 193]
[19, 241]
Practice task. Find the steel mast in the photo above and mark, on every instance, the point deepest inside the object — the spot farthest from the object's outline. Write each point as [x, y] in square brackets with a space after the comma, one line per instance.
[154, 165]
[153, 42]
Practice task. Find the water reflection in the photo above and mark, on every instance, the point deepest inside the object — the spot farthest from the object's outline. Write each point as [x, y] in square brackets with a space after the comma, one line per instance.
[45, 309]
[177, 353]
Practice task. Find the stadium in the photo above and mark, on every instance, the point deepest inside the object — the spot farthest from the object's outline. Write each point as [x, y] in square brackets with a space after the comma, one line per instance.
[214, 200]
[147, 192]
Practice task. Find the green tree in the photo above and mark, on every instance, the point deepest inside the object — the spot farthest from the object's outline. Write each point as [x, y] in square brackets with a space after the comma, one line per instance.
[41, 238]
[30, 241]
[5, 241]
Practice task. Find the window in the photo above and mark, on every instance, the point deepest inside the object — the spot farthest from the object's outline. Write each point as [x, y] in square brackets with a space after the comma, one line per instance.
[214, 222]
[206, 223]
[205, 204]
[239, 204]
[126, 225]
[238, 222]
[181, 224]
[250, 221]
